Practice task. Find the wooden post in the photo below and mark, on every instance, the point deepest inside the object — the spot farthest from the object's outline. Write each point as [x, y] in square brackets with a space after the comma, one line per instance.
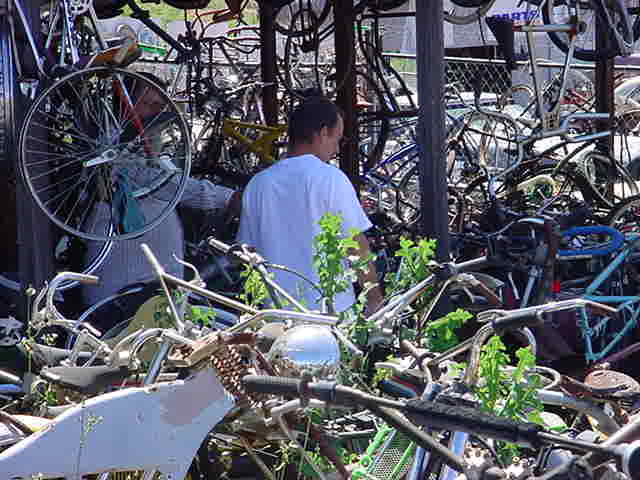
[268, 62]
[35, 241]
[433, 178]
[344, 39]
[604, 87]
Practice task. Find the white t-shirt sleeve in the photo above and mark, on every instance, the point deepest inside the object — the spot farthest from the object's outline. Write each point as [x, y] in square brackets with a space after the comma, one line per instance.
[344, 200]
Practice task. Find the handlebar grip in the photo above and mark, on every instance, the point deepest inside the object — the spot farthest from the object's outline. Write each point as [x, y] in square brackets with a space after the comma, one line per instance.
[410, 348]
[323, 390]
[601, 309]
[88, 279]
[513, 321]
[272, 385]
[447, 417]
[218, 245]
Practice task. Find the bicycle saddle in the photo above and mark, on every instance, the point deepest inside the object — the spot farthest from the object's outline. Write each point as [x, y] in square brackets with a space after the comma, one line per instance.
[89, 380]
[603, 385]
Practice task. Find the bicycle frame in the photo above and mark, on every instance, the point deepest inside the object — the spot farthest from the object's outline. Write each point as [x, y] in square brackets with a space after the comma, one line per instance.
[261, 146]
[61, 13]
[624, 303]
[549, 122]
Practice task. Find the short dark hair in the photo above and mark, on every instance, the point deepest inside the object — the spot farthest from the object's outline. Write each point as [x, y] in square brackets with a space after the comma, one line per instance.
[310, 116]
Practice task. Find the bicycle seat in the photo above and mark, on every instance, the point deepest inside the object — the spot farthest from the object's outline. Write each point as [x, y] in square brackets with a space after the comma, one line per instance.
[603, 385]
[89, 380]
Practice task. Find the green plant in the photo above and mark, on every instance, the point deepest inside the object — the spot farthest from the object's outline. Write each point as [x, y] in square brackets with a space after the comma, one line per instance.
[415, 265]
[201, 316]
[440, 334]
[290, 455]
[330, 248]
[508, 393]
[254, 291]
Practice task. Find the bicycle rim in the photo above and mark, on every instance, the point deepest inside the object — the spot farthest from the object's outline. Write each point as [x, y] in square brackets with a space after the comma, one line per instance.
[620, 35]
[609, 180]
[625, 215]
[311, 15]
[95, 168]
[459, 15]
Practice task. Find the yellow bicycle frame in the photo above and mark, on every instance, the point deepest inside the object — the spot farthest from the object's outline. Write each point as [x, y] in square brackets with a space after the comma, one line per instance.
[261, 146]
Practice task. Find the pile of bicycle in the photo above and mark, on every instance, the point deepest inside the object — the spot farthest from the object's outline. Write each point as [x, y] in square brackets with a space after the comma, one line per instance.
[513, 361]
[181, 392]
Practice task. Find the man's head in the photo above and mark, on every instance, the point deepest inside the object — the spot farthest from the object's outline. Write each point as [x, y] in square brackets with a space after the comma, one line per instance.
[315, 127]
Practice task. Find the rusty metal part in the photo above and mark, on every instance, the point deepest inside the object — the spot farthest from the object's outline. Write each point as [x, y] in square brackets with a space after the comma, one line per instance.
[603, 385]
[231, 357]
[612, 384]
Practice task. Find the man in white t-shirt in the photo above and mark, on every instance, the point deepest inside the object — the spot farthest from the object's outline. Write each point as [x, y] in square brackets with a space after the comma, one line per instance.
[282, 205]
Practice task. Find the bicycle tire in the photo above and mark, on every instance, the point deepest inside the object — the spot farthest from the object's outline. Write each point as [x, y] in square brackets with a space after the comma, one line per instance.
[479, 142]
[316, 17]
[571, 188]
[217, 157]
[625, 215]
[558, 12]
[103, 173]
[609, 180]
[374, 124]
[459, 15]
[303, 69]
[408, 203]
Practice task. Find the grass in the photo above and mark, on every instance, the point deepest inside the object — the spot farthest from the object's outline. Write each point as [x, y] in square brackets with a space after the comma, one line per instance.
[166, 13]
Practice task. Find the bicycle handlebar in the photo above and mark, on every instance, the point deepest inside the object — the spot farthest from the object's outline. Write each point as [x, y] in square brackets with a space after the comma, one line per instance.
[446, 417]
[422, 412]
[528, 316]
[49, 291]
[242, 253]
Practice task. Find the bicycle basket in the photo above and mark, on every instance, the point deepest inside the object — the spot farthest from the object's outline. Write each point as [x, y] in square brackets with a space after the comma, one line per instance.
[389, 457]
[187, 4]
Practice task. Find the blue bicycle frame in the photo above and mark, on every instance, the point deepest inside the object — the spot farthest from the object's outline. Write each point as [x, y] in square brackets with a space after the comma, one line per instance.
[627, 305]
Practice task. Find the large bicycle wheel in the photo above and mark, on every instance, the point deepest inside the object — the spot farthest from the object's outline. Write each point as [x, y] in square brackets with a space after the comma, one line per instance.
[408, 207]
[614, 13]
[525, 194]
[301, 17]
[105, 154]
[464, 12]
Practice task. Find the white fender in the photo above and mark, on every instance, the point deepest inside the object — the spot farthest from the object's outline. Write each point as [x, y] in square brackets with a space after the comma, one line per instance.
[157, 427]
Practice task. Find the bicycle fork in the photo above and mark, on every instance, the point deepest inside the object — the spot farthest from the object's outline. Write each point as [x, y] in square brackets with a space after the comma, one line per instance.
[457, 444]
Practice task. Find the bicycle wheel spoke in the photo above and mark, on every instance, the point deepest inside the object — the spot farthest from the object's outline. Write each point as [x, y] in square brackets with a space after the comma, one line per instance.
[94, 154]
